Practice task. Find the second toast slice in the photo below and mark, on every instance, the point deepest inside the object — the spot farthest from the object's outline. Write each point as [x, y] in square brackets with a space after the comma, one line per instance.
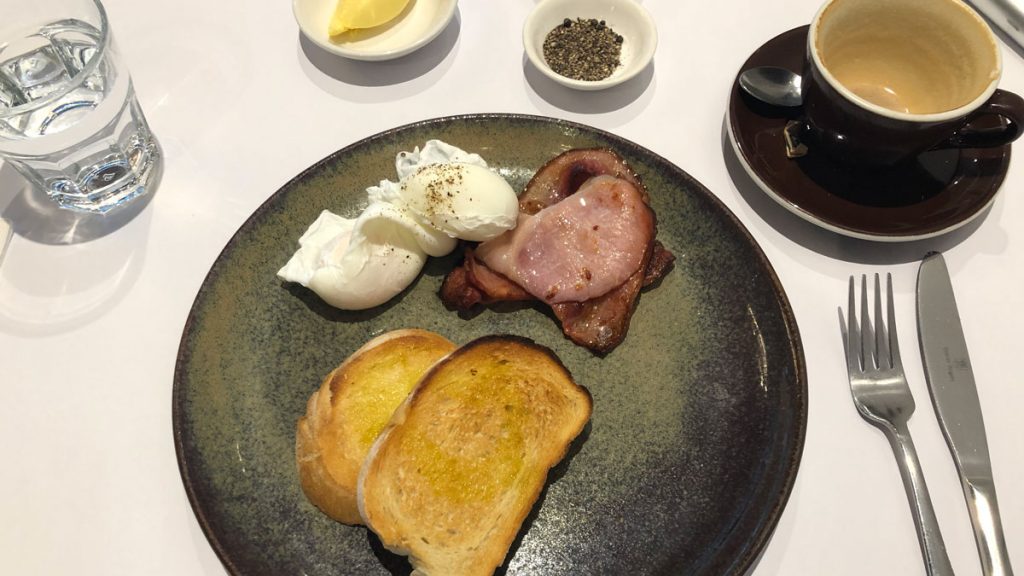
[465, 457]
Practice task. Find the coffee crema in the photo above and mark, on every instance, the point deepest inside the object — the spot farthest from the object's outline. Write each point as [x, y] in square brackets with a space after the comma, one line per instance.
[913, 56]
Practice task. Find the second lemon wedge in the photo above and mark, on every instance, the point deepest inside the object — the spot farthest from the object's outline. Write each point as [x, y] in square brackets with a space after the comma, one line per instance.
[353, 14]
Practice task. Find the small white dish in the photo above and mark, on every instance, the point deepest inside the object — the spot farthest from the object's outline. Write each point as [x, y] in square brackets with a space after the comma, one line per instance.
[417, 25]
[627, 18]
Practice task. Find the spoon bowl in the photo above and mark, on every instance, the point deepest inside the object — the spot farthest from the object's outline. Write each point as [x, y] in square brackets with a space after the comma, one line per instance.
[773, 85]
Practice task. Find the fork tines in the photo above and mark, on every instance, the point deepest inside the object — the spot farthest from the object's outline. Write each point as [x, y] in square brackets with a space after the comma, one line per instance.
[870, 346]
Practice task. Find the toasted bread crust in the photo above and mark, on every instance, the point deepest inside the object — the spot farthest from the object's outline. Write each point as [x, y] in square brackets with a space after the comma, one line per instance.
[352, 404]
[465, 457]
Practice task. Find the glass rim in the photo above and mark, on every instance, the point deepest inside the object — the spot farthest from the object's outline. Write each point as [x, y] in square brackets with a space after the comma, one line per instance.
[101, 51]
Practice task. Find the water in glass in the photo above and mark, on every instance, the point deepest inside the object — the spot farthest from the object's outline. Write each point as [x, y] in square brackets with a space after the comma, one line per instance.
[69, 119]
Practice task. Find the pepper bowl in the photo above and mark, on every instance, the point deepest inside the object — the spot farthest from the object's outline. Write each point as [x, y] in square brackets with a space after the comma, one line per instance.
[625, 17]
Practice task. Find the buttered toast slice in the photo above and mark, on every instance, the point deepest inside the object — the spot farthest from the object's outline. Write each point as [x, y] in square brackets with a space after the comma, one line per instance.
[465, 457]
[350, 409]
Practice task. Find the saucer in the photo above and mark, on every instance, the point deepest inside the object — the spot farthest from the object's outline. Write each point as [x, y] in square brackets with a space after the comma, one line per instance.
[937, 192]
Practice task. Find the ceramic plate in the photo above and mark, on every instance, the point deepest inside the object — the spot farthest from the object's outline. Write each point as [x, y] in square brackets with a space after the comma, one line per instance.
[935, 193]
[699, 416]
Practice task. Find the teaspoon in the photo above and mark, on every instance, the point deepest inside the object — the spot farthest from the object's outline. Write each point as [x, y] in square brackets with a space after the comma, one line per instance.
[773, 85]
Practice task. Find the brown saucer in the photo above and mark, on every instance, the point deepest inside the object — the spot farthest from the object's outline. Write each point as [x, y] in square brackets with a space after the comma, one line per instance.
[939, 191]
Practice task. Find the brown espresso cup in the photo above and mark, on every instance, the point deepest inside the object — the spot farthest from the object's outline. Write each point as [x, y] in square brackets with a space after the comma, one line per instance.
[886, 80]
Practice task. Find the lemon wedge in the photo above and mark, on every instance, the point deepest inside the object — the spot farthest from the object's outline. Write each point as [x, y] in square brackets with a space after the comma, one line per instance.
[353, 14]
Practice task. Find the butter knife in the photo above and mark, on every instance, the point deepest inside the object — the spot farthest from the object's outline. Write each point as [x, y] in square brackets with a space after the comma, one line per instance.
[947, 368]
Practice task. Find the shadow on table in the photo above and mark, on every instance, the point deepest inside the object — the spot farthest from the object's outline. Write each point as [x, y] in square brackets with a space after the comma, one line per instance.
[365, 74]
[830, 243]
[34, 216]
[584, 102]
[75, 277]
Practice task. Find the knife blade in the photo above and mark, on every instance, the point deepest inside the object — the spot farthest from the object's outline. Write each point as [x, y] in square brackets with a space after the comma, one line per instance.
[947, 368]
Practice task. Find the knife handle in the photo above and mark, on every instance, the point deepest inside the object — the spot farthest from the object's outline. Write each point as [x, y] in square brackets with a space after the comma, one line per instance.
[988, 529]
[936, 561]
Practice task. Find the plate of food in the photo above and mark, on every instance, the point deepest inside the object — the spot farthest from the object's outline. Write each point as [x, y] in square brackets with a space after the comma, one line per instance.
[588, 365]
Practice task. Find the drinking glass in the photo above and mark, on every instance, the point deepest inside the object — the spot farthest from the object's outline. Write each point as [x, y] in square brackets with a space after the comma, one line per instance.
[69, 119]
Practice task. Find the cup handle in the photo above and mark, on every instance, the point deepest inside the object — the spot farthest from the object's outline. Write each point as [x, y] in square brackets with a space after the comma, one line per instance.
[981, 134]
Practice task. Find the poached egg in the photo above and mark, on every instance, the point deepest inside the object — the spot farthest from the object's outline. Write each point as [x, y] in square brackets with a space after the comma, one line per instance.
[443, 194]
[461, 200]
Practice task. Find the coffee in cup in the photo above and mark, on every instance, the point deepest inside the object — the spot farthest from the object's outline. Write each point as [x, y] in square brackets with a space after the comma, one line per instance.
[886, 80]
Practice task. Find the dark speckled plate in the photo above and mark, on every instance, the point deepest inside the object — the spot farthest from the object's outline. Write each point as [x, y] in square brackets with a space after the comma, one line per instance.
[699, 416]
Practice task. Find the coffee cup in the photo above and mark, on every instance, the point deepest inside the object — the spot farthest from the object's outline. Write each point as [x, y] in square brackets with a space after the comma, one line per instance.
[886, 80]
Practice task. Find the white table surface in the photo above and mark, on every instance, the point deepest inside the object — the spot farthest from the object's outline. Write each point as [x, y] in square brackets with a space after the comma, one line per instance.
[89, 330]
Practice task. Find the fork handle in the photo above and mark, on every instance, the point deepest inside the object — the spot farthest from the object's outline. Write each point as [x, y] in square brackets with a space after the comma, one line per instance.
[936, 562]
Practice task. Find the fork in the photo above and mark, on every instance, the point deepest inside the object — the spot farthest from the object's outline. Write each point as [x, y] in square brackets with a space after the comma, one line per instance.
[882, 396]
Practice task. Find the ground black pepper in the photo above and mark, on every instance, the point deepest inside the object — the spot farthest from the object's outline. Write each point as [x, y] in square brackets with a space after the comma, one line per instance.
[583, 49]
